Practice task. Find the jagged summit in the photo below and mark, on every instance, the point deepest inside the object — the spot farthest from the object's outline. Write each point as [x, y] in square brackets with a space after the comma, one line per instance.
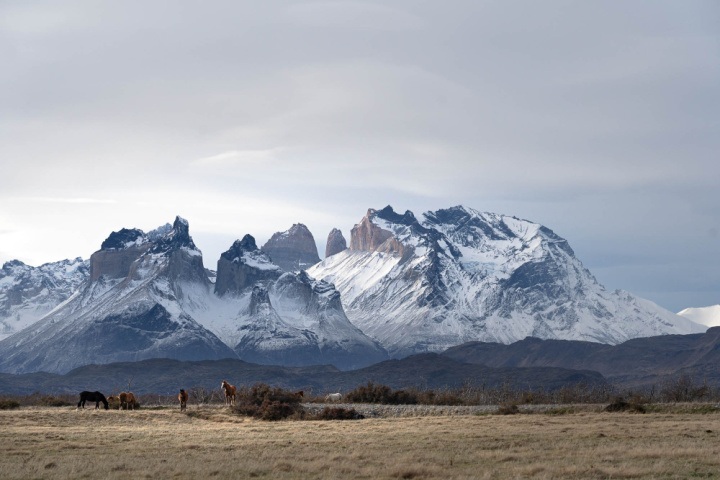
[123, 239]
[242, 266]
[293, 249]
[178, 237]
[459, 275]
[336, 243]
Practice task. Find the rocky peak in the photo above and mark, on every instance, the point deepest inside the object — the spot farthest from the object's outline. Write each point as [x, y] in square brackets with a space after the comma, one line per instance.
[371, 235]
[243, 265]
[336, 243]
[123, 239]
[176, 238]
[12, 265]
[259, 300]
[293, 249]
[240, 247]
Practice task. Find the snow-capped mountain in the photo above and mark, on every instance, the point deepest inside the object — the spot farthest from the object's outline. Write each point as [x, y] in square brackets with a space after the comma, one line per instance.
[283, 318]
[28, 293]
[460, 275]
[147, 295]
[130, 309]
[708, 316]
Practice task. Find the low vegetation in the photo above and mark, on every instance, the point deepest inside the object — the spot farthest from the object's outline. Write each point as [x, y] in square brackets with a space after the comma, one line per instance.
[55, 443]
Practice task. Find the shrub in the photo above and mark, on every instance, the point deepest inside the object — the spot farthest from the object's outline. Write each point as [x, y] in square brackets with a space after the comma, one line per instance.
[53, 401]
[9, 404]
[620, 405]
[507, 409]
[372, 393]
[331, 413]
[683, 389]
[267, 403]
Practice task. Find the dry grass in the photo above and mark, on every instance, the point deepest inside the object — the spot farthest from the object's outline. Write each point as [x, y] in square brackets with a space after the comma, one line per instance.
[211, 442]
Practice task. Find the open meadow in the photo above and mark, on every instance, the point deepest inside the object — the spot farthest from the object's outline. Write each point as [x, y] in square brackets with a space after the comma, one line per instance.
[210, 441]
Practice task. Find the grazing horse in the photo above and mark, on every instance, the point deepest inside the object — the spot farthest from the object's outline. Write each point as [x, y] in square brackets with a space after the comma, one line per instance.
[229, 392]
[333, 397]
[183, 398]
[96, 397]
[126, 399]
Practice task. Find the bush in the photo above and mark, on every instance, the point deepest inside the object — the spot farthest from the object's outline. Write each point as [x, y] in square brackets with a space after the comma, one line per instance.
[683, 389]
[508, 409]
[9, 404]
[267, 403]
[372, 393]
[53, 401]
[330, 413]
[620, 405]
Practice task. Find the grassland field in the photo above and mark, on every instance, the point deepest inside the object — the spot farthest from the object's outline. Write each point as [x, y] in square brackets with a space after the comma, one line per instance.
[213, 442]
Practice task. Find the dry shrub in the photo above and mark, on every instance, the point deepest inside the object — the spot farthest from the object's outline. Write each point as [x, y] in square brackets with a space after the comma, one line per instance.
[6, 404]
[508, 409]
[620, 405]
[683, 389]
[267, 403]
[331, 413]
[372, 393]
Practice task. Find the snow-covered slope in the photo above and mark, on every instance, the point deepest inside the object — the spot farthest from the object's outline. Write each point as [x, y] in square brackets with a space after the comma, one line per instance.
[274, 318]
[28, 293]
[461, 275]
[130, 309]
[708, 316]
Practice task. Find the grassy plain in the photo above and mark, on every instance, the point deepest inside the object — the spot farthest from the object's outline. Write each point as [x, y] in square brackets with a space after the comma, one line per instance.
[40, 442]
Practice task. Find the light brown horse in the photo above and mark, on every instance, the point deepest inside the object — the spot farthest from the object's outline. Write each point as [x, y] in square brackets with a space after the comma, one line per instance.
[183, 398]
[127, 400]
[229, 392]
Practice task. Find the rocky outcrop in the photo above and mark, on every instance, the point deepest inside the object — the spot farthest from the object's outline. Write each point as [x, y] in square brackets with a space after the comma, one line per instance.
[336, 243]
[242, 266]
[293, 249]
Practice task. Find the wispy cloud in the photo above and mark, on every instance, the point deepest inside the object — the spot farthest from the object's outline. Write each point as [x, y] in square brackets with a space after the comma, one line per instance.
[238, 158]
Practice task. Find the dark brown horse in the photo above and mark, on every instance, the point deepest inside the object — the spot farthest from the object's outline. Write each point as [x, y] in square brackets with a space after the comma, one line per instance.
[96, 397]
[183, 398]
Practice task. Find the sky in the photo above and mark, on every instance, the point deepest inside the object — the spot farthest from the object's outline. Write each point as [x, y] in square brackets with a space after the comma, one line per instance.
[598, 119]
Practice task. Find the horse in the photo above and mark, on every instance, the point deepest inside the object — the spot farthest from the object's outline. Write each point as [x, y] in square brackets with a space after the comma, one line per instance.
[183, 398]
[126, 399]
[96, 397]
[333, 397]
[229, 392]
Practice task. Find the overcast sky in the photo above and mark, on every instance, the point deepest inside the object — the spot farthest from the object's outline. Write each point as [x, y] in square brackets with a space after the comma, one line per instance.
[598, 119]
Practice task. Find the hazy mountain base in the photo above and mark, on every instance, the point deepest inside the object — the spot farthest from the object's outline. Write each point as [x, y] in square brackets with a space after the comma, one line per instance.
[168, 376]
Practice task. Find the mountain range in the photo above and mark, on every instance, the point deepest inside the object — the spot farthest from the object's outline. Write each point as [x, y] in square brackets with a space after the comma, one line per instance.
[400, 286]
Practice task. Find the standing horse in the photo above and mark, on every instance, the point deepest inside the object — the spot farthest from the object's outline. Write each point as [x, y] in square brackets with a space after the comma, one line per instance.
[183, 398]
[333, 397]
[229, 392]
[127, 400]
[96, 397]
